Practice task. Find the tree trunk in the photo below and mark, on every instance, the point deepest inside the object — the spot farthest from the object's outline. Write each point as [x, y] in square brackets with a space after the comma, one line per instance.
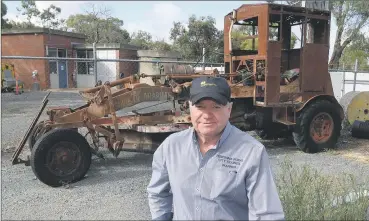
[337, 53]
[335, 59]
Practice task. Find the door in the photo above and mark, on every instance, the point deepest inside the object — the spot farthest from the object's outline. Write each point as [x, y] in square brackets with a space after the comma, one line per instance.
[62, 72]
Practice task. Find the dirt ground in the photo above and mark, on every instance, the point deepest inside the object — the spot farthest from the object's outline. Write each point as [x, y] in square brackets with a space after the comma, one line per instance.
[115, 188]
[353, 148]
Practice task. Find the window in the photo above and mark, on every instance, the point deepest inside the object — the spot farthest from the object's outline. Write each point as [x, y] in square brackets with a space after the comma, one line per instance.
[244, 37]
[62, 53]
[52, 52]
[84, 67]
[53, 67]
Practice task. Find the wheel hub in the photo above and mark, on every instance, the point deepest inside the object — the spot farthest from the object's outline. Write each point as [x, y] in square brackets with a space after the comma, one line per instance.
[321, 127]
[63, 158]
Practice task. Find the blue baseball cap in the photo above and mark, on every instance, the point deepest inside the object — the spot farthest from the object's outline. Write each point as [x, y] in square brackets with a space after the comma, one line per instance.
[209, 87]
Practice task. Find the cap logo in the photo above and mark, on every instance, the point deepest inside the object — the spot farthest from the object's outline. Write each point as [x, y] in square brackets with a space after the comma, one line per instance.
[204, 84]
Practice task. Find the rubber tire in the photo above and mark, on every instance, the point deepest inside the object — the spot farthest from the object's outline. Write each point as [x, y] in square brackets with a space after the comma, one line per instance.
[273, 131]
[266, 134]
[43, 145]
[301, 134]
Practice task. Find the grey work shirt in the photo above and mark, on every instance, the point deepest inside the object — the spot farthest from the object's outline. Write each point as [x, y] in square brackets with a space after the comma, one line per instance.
[232, 181]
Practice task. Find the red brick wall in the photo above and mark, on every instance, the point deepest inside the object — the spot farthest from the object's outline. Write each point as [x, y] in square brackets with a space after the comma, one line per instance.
[35, 45]
[25, 45]
[128, 68]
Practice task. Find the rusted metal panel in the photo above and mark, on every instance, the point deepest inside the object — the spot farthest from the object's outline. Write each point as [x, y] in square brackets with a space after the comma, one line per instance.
[263, 30]
[161, 128]
[322, 17]
[130, 79]
[249, 11]
[241, 91]
[272, 75]
[128, 99]
[314, 71]
[227, 26]
[128, 120]
[291, 59]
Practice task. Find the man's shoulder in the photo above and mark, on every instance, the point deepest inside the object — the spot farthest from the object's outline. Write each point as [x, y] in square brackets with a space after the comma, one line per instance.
[179, 137]
[245, 139]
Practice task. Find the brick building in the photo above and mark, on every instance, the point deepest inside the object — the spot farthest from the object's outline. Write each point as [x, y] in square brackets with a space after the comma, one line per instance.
[41, 42]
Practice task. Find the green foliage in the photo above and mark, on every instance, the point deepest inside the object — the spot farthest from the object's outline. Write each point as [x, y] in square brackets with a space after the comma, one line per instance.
[4, 22]
[198, 34]
[307, 194]
[144, 40]
[357, 50]
[351, 18]
[29, 9]
[141, 39]
[239, 32]
[48, 18]
[160, 46]
[97, 29]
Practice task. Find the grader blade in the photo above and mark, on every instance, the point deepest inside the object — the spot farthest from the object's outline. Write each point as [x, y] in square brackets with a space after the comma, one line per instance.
[15, 157]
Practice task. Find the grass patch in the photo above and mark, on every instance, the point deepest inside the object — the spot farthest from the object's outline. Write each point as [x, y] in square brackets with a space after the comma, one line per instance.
[307, 194]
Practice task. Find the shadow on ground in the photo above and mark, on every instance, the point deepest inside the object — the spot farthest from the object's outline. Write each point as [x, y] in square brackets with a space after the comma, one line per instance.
[127, 166]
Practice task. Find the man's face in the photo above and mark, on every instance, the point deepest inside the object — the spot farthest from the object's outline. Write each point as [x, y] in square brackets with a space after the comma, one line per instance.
[209, 118]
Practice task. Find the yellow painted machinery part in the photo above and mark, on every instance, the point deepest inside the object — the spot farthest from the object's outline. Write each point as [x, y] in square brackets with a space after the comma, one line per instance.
[6, 66]
[356, 106]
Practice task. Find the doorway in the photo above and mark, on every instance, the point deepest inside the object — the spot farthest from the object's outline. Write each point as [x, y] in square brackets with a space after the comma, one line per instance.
[58, 69]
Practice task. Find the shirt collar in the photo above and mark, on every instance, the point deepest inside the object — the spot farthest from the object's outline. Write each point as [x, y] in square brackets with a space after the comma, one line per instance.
[223, 137]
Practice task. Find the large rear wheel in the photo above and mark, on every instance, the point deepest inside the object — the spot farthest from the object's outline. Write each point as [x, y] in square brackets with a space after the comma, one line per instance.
[60, 156]
[318, 127]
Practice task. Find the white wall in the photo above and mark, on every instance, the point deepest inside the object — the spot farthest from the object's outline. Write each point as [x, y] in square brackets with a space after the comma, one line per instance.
[220, 69]
[85, 81]
[337, 82]
[106, 71]
[54, 81]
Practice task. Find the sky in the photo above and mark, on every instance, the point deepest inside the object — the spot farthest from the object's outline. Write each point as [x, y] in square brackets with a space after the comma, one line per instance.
[155, 17]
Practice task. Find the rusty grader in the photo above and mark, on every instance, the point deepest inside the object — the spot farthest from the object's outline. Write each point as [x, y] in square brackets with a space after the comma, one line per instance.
[277, 90]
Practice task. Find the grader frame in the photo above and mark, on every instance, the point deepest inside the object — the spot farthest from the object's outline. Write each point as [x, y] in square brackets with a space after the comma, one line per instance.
[265, 100]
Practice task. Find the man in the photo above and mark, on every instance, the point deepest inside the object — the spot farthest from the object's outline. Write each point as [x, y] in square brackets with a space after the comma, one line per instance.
[212, 171]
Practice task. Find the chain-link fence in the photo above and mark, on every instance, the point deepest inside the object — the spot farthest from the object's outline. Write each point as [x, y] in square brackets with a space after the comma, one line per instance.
[79, 72]
[349, 78]
[62, 72]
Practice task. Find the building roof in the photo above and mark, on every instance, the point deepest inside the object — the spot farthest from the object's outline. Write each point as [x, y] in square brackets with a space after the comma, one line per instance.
[20, 31]
[107, 46]
[158, 54]
[290, 8]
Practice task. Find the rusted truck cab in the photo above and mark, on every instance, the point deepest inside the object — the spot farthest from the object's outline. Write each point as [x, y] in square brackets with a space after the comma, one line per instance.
[267, 52]
[283, 72]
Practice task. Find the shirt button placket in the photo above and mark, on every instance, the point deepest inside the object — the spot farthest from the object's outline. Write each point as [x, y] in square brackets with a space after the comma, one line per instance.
[198, 189]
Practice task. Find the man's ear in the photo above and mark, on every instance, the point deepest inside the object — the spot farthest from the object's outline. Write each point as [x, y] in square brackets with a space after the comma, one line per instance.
[230, 105]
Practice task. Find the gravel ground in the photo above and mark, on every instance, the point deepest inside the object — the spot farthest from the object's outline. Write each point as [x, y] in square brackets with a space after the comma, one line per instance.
[115, 188]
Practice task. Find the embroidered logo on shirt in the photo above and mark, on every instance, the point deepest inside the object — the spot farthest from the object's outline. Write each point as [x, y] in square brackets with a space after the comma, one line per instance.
[229, 162]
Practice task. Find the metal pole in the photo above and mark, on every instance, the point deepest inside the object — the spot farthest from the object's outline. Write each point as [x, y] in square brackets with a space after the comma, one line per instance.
[355, 73]
[95, 61]
[343, 80]
[203, 59]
